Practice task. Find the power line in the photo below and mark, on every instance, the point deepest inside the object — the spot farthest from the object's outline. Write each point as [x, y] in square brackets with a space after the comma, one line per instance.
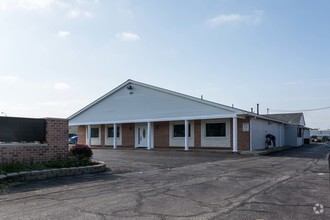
[301, 110]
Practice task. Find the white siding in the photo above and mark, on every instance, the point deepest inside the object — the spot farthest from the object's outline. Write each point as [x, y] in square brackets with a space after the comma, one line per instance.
[282, 135]
[215, 141]
[179, 141]
[145, 104]
[291, 136]
[259, 130]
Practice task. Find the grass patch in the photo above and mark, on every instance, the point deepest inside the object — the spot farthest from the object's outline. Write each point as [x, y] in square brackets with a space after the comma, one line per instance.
[19, 167]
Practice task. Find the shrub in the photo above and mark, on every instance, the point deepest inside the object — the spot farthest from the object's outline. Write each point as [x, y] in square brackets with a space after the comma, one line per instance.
[81, 151]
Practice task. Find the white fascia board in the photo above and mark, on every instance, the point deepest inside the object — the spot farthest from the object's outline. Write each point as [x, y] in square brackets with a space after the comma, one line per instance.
[157, 120]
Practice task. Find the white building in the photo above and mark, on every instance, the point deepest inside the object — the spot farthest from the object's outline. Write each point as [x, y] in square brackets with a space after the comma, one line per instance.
[140, 115]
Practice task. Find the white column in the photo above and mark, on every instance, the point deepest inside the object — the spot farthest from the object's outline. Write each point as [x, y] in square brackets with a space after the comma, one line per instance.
[186, 135]
[114, 136]
[149, 136]
[89, 139]
[152, 136]
[235, 134]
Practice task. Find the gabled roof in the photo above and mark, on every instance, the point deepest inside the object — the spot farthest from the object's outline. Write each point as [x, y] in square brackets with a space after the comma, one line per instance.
[124, 86]
[290, 118]
[132, 82]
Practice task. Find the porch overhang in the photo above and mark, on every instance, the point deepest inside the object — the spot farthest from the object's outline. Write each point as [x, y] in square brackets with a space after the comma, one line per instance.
[189, 118]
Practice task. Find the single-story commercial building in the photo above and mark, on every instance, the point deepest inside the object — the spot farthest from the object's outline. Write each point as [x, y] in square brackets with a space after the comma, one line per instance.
[138, 115]
[296, 131]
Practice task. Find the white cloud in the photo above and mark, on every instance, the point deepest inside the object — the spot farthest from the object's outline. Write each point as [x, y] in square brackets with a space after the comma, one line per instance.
[127, 36]
[61, 86]
[76, 13]
[9, 79]
[25, 4]
[224, 19]
[63, 34]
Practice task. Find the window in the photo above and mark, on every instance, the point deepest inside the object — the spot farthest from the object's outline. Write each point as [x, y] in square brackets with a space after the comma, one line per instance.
[110, 132]
[179, 130]
[246, 127]
[299, 132]
[94, 132]
[216, 130]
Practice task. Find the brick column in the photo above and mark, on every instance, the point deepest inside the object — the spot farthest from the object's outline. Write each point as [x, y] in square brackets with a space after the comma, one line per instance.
[197, 133]
[57, 138]
[82, 134]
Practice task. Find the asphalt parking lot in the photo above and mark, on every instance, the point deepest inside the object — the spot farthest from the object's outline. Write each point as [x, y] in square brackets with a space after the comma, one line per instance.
[135, 160]
[293, 184]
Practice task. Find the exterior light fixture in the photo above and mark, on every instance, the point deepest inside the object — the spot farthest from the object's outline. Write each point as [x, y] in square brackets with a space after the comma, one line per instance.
[130, 88]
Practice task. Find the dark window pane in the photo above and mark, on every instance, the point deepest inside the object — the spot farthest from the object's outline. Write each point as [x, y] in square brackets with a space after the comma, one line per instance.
[110, 132]
[216, 130]
[94, 132]
[299, 132]
[178, 131]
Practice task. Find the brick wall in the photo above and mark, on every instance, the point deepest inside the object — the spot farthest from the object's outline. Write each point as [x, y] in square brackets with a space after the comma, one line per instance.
[102, 136]
[128, 135]
[243, 137]
[197, 133]
[55, 148]
[161, 134]
[82, 134]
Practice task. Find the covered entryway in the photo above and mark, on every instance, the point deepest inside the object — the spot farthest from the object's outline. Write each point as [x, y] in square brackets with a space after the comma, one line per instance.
[141, 135]
[144, 135]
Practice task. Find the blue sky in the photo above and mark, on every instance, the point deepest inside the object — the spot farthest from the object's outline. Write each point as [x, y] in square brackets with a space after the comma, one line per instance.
[57, 56]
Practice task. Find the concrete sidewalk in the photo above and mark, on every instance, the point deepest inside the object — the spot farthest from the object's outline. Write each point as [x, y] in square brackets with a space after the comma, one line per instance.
[220, 151]
[278, 149]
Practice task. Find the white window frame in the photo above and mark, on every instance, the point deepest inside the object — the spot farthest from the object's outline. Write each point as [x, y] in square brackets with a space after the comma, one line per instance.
[222, 141]
[179, 141]
[94, 141]
[109, 140]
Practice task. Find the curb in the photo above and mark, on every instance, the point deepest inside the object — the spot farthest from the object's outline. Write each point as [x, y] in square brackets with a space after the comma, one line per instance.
[273, 150]
[52, 173]
[265, 152]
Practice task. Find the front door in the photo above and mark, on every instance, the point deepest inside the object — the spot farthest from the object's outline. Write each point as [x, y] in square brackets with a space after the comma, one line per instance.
[141, 135]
